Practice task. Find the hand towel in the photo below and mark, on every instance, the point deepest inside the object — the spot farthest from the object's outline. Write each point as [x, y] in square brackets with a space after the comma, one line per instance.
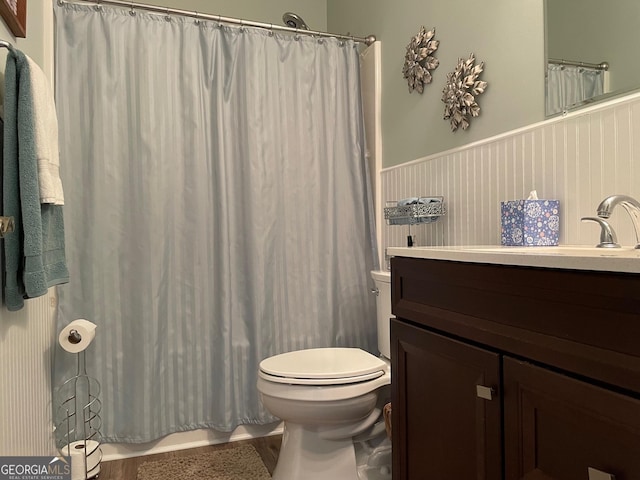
[46, 137]
[34, 252]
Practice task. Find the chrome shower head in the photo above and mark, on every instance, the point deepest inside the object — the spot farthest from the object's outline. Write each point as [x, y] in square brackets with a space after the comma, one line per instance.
[294, 21]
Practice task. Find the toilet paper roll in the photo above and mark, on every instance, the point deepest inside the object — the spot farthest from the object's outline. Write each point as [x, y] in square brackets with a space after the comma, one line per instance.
[73, 343]
[77, 452]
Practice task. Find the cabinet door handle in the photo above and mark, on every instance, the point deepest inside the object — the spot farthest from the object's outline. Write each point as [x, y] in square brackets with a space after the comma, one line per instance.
[485, 392]
[599, 475]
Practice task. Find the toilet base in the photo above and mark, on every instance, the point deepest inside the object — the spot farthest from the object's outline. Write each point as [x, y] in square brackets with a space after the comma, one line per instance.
[305, 455]
[374, 459]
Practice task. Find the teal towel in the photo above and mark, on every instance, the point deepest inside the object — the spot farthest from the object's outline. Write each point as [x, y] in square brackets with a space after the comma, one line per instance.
[34, 253]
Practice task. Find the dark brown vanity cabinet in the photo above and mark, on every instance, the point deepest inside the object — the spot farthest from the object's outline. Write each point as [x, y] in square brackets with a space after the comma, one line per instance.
[441, 428]
[502, 372]
[558, 427]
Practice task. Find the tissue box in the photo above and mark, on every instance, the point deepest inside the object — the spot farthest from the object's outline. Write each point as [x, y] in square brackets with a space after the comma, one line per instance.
[530, 223]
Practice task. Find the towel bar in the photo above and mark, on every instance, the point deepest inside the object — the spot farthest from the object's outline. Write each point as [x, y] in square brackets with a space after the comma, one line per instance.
[6, 226]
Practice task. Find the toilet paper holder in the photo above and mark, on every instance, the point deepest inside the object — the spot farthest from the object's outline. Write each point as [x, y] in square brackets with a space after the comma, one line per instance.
[75, 337]
[78, 421]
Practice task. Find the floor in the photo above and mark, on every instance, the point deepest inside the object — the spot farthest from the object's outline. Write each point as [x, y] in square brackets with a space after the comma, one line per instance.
[267, 447]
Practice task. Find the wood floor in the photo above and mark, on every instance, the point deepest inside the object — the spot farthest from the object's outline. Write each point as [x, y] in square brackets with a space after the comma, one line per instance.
[267, 447]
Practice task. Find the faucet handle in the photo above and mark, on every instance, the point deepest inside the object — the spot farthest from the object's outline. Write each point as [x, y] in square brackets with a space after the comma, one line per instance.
[608, 237]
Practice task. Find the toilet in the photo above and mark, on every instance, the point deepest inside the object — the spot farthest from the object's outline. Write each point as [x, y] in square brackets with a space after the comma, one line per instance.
[330, 400]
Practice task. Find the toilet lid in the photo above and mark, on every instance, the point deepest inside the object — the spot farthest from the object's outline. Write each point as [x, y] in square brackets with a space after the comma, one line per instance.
[322, 366]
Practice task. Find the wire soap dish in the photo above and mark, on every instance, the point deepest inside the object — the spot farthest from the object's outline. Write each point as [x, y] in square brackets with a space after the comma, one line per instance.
[414, 211]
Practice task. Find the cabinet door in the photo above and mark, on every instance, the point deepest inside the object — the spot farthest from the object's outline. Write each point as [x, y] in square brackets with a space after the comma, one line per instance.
[557, 428]
[441, 428]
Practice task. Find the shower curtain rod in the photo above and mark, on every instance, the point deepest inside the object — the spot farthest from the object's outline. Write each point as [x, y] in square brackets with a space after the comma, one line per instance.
[596, 66]
[218, 18]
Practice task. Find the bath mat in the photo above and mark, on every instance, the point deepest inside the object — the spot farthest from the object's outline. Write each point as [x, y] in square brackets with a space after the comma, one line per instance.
[238, 463]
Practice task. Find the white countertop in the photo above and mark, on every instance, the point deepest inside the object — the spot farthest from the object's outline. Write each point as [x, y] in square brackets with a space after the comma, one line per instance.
[573, 257]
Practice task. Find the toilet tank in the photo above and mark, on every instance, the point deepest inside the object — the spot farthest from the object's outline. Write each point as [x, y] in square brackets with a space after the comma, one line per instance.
[382, 280]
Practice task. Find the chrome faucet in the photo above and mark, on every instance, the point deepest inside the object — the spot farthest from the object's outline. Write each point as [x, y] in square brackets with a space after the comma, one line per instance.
[631, 205]
[608, 237]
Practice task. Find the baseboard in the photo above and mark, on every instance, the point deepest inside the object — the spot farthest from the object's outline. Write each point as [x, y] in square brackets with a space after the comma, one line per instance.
[184, 440]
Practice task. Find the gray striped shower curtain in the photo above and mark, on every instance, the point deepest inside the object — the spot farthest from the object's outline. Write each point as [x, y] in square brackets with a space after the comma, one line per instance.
[217, 211]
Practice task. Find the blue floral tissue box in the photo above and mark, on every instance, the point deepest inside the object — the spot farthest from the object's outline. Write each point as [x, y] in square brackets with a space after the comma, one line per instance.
[530, 223]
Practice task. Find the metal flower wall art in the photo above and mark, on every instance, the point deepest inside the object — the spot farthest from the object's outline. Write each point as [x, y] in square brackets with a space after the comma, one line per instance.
[460, 92]
[419, 59]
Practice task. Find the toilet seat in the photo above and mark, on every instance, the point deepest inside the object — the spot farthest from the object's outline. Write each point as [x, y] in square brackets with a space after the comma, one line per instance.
[320, 381]
[322, 366]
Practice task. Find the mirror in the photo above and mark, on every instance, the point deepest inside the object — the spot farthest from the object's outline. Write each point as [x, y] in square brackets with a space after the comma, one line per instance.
[581, 36]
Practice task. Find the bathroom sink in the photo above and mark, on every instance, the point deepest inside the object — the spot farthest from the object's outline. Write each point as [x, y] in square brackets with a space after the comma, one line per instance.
[570, 250]
[576, 257]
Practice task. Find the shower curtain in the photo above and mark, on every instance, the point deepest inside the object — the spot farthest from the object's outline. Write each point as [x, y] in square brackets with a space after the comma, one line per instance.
[217, 211]
[568, 85]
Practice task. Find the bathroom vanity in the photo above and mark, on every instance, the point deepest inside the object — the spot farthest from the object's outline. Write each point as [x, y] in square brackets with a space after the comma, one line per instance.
[515, 364]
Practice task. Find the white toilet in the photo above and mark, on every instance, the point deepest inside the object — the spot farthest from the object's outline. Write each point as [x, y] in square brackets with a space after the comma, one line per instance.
[328, 398]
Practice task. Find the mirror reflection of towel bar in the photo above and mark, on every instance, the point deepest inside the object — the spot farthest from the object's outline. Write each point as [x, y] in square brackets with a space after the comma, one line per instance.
[6, 226]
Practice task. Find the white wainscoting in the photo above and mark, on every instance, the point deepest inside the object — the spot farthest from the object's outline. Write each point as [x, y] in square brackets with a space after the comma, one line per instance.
[579, 159]
[27, 338]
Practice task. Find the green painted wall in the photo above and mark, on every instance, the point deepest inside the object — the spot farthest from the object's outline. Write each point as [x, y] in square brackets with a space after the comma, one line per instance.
[38, 43]
[507, 35]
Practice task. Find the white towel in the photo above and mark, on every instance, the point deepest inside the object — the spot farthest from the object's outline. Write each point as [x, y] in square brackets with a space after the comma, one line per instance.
[46, 134]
